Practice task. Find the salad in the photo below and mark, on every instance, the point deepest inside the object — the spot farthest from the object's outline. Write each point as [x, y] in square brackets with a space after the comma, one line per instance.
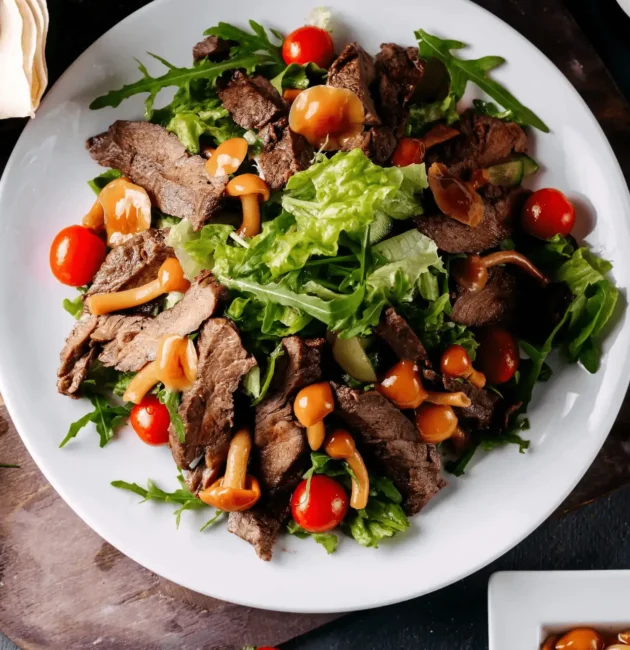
[321, 280]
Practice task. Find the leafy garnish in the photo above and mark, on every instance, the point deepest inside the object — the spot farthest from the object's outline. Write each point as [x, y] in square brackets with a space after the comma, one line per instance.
[171, 400]
[488, 108]
[421, 117]
[107, 418]
[299, 77]
[259, 395]
[182, 496]
[328, 540]
[75, 307]
[462, 71]
[98, 183]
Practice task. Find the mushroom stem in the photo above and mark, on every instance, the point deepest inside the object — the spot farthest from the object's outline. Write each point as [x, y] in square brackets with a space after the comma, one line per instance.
[251, 216]
[448, 399]
[476, 378]
[316, 434]
[238, 456]
[512, 257]
[340, 446]
[142, 383]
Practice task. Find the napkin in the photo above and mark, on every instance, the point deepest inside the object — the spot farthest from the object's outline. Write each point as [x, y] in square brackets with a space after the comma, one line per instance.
[23, 29]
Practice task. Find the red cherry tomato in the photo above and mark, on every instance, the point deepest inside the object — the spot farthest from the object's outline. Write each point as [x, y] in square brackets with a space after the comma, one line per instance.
[76, 255]
[266, 647]
[306, 44]
[498, 356]
[323, 508]
[408, 151]
[547, 213]
[150, 420]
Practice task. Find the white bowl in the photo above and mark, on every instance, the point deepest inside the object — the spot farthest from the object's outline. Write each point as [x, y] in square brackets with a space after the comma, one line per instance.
[524, 607]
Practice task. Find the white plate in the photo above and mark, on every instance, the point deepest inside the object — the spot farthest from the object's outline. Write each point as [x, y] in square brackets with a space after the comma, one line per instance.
[524, 608]
[625, 5]
[504, 496]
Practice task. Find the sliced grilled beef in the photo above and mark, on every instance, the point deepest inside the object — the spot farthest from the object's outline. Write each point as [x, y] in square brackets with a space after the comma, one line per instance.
[133, 263]
[135, 338]
[281, 443]
[392, 441]
[497, 302]
[397, 333]
[261, 525]
[213, 48]
[284, 154]
[207, 408]
[155, 159]
[480, 414]
[377, 143]
[399, 71]
[484, 141]
[500, 214]
[252, 101]
[354, 69]
[76, 356]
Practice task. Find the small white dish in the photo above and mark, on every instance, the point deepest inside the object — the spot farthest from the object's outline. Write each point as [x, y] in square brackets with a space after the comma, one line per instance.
[524, 607]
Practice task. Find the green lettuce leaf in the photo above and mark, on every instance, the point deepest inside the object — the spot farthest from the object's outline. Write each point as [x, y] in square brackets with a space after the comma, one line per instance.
[462, 71]
[328, 540]
[422, 117]
[98, 183]
[299, 77]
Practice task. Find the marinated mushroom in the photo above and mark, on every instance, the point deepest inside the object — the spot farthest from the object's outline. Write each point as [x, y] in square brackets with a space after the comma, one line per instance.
[581, 638]
[312, 404]
[175, 366]
[170, 278]
[455, 362]
[326, 116]
[472, 272]
[411, 151]
[251, 189]
[454, 197]
[340, 446]
[403, 387]
[290, 94]
[436, 423]
[227, 157]
[236, 490]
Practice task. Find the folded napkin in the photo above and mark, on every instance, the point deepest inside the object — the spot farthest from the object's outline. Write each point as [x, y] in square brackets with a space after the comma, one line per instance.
[23, 72]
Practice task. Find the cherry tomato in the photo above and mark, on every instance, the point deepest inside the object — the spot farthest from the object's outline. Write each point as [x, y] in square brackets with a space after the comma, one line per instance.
[408, 151]
[307, 44]
[266, 648]
[547, 213]
[498, 356]
[150, 420]
[323, 508]
[76, 254]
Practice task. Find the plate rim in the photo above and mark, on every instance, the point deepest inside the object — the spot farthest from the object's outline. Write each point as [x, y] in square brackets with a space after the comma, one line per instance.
[7, 391]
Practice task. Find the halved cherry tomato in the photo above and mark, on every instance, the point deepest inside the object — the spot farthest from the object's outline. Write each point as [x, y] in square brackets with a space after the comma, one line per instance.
[76, 254]
[408, 151]
[307, 44]
[323, 507]
[150, 420]
[548, 212]
[498, 356]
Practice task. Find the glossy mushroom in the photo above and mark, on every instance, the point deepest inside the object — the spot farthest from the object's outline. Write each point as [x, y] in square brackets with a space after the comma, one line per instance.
[436, 423]
[581, 638]
[455, 362]
[312, 404]
[236, 490]
[251, 189]
[227, 157]
[340, 446]
[454, 197]
[170, 278]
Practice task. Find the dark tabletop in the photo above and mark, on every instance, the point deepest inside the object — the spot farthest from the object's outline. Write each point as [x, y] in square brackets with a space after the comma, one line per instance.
[594, 537]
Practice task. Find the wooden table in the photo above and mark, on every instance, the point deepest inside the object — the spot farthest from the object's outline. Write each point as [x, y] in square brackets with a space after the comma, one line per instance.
[63, 587]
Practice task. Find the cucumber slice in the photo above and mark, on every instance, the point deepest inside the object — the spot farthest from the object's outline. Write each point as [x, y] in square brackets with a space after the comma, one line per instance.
[380, 228]
[507, 174]
[530, 166]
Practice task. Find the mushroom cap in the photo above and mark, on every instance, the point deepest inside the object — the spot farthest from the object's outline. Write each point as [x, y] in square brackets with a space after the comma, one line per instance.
[340, 444]
[313, 403]
[232, 499]
[227, 157]
[246, 184]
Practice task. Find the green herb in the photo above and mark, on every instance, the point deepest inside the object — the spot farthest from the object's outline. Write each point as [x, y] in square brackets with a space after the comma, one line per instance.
[182, 496]
[171, 399]
[328, 540]
[105, 416]
[269, 372]
[422, 117]
[488, 108]
[299, 77]
[75, 307]
[103, 380]
[98, 183]
[462, 71]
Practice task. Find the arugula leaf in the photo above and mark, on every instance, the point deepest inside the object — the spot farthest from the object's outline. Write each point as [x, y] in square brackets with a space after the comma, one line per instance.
[476, 70]
[328, 540]
[171, 400]
[183, 497]
[105, 416]
[421, 117]
[299, 76]
[98, 183]
[269, 372]
[492, 110]
[75, 307]
[248, 43]
[180, 77]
